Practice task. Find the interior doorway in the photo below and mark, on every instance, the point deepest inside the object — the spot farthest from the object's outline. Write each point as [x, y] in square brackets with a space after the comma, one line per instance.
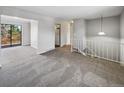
[11, 35]
[57, 35]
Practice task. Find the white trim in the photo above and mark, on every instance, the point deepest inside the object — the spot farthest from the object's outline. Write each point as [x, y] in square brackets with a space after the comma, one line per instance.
[43, 51]
[104, 58]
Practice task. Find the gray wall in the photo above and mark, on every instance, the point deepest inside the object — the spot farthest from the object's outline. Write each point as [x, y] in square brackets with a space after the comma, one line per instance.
[111, 26]
[122, 37]
[80, 32]
[122, 27]
[0, 34]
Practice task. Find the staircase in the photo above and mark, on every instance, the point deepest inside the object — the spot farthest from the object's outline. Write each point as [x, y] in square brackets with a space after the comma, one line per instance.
[103, 50]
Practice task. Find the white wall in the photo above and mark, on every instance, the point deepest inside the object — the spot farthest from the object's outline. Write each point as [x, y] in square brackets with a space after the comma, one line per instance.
[64, 30]
[34, 34]
[122, 37]
[68, 34]
[80, 32]
[46, 33]
[26, 34]
[111, 26]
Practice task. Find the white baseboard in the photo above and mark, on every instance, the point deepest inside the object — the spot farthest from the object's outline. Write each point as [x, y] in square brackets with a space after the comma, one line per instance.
[43, 51]
[26, 45]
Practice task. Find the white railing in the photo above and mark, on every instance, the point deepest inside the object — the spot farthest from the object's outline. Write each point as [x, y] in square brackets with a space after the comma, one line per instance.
[113, 51]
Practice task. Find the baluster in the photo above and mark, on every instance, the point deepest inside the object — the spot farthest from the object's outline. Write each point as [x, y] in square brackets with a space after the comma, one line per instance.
[122, 55]
[93, 48]
[117, 53]
[99, 48]
[79, 45]
[103, 49]
[112, 52]
[90, 46]
[87, 47]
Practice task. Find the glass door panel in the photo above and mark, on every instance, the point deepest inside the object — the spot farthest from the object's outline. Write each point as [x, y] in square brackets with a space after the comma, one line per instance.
[16, 35]
[5, 35]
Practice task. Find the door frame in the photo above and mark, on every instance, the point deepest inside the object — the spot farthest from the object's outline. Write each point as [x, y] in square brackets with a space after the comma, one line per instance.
[59, 35]
[12, 45]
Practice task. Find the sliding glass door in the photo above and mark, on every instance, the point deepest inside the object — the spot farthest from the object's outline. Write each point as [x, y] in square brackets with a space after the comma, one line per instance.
[10, 35]
[16, 35]
[5, 35]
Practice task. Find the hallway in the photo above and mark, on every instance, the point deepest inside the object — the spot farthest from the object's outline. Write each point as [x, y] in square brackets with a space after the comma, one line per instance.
[60, 67]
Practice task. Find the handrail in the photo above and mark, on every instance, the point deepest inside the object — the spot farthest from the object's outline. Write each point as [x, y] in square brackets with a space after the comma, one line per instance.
[108, 50]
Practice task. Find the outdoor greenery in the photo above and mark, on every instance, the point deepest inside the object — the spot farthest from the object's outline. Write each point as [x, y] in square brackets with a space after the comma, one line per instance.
[10, 33]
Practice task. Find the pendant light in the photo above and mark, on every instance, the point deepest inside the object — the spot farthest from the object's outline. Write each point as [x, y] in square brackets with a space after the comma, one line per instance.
[101, 33]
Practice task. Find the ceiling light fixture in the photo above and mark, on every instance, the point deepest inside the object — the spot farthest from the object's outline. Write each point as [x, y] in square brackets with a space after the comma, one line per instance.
[101, 33]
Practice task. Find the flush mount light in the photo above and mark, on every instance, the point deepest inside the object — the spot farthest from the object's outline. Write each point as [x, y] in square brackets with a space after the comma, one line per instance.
[101, 33]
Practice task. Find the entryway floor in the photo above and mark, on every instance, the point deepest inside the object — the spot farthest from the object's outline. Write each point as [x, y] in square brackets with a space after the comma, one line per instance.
[22, 67]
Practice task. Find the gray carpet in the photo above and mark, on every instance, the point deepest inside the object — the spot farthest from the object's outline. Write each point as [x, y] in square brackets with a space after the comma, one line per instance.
[22, 67]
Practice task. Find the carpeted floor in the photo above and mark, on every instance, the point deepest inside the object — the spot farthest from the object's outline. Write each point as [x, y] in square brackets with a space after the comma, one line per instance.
[22, 67]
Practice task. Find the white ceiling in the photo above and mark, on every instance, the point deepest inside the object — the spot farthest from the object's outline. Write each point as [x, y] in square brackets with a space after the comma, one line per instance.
[14, 19]
[72, 12]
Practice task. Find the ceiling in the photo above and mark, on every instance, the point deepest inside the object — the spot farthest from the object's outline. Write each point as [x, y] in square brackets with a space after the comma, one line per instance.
[74, 12]
[14, 19]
